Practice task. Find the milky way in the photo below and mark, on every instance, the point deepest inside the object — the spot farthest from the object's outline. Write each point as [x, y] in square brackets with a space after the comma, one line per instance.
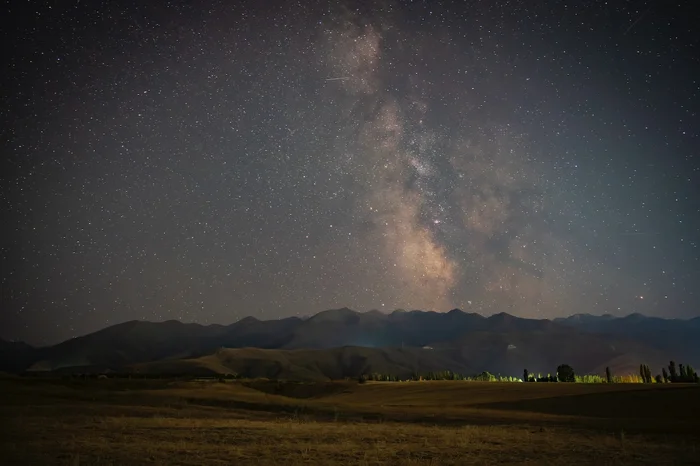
[211, 162]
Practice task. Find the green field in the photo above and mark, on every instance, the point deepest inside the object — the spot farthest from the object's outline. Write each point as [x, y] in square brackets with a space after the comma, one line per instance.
[80, 422]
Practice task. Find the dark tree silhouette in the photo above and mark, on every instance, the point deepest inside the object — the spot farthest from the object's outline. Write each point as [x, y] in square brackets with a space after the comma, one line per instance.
[526, 376]
[608, 375]
[664, 373]
[689, 376]
[673, 375]
[565, 373]
[684, 374]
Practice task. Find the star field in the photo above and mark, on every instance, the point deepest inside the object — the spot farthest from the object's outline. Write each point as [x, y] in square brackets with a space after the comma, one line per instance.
[209, 161]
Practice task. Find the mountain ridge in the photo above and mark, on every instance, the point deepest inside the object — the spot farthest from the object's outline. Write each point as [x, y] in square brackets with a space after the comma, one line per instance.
[567, 319]
[501, 342]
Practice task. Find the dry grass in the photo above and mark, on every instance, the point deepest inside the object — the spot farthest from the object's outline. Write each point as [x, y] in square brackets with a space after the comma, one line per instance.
[436, 423]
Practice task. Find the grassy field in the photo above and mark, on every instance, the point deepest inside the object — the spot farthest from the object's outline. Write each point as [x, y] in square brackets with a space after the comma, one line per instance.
[131, 422]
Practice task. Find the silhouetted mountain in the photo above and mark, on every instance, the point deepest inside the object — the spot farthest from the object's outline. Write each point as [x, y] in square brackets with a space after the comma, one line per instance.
[340, 327]
[504, 322]
[15, 356]
[256, 333]
[128, 343]
[500, 343]
[673, 336]
[584, 318]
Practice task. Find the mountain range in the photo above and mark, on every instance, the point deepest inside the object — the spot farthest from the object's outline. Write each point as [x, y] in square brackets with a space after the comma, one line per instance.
[344, 343]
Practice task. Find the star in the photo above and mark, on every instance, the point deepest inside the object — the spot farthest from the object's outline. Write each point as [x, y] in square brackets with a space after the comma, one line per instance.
[332, 157]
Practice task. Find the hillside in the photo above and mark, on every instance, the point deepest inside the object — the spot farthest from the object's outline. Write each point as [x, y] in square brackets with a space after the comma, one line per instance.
[463, 342]
[669, 335]
[16, 356]
[312, 365]
[499, 353]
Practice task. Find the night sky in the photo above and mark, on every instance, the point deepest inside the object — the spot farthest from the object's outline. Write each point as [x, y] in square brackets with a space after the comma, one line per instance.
[207, 161]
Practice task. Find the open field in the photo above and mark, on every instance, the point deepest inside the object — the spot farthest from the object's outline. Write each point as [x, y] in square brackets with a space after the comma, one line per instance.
[79, 422]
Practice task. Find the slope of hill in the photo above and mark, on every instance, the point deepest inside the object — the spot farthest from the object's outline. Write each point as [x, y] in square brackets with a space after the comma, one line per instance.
[542, 351]
[129, 343]
[499, 353]
[313, 364]
[15, 356]
[675, 337]
[463, 342]
[258, 333]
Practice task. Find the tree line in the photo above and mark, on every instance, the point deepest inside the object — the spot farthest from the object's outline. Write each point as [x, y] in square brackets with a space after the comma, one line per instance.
[436, 375]
[564, 373]
[683, 374]
[680, 374]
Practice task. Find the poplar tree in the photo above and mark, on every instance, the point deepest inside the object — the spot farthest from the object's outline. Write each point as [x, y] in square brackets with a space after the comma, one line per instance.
[673, 375]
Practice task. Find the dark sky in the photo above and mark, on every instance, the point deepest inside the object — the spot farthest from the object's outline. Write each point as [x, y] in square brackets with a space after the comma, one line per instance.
[206, 161]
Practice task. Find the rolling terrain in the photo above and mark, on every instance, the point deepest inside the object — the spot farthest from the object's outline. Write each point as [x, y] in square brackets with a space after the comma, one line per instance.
[111, 421]
[344, 343]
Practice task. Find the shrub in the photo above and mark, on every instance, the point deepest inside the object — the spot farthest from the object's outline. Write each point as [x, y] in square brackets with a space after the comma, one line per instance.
[630, 378]
[589, 379]
[485, 377]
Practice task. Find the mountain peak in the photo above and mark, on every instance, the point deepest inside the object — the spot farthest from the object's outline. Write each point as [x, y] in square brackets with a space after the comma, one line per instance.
[342, 315]
[246, 321]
